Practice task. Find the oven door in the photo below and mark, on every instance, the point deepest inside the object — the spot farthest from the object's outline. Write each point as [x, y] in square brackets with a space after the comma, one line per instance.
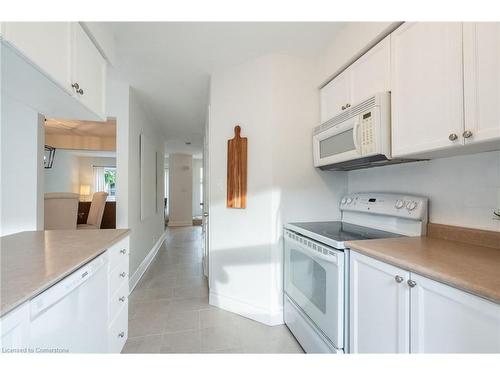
[337, 144]
[314, 280]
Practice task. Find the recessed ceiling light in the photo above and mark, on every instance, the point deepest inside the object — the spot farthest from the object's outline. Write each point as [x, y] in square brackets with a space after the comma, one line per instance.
[188, 143]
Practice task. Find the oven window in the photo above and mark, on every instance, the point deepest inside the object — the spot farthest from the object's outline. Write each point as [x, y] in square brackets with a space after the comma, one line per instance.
[309, 277]
[337, 144]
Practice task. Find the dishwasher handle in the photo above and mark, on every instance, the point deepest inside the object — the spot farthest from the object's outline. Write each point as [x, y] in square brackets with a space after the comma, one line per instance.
[64, 287]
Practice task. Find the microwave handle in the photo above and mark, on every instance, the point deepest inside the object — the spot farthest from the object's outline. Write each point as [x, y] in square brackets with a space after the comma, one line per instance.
[355, 135]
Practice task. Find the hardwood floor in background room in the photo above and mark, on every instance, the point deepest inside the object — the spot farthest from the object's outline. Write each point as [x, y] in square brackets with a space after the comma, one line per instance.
[169, 310]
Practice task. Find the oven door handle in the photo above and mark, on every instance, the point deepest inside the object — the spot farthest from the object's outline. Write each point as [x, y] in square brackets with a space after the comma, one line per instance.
[315, 253]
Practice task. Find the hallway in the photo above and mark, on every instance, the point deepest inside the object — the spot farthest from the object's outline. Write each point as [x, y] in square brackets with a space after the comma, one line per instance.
[169, 310]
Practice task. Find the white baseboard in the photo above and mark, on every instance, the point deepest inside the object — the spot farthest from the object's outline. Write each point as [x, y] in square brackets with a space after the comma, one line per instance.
[134, 280]
[180, 223]
[267, 317]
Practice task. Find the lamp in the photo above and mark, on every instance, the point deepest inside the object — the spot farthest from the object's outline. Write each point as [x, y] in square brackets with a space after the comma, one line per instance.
[84, 191]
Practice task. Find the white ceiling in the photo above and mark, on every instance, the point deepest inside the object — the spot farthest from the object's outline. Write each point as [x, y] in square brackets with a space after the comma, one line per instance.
[169, 63]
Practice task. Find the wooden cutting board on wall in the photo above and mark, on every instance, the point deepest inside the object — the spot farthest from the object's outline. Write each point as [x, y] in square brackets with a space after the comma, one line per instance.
[237, 170]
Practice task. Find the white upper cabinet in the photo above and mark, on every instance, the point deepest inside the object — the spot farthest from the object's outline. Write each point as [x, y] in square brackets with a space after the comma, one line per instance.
[379, 307]
[371, 73]
[447, 320]
[427, 87]
[334, 96]
[45, 44]
[88, 72]
[63, 52]
[482, 82]
[365, 77]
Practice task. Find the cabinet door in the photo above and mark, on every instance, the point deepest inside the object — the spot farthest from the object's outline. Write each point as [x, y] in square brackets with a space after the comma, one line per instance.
[46, 45]
[427, 87]
[448, 320]
[482, 81]
[371, 73]
[89, 71]
[334, 96]
[379, 307]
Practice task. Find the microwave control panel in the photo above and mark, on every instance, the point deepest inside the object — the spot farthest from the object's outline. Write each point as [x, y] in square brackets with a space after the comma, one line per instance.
[367, 133]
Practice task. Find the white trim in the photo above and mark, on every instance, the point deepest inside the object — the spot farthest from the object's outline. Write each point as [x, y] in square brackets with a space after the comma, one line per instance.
[270, 318]
[180, 223]
[145, 263]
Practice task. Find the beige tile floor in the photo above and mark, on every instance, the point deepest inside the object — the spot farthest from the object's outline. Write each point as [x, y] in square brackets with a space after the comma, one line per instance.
[169, 310]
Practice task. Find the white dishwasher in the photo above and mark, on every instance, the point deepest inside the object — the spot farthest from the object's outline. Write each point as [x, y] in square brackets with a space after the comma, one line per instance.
[71, 316]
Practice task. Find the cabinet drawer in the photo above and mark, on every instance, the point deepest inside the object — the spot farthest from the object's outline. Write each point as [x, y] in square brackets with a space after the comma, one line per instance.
[117, 301]
[118, 275]
[118, 331]
[118, 252]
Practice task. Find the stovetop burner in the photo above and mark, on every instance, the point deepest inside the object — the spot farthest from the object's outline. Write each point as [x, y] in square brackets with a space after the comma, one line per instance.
[338, 232]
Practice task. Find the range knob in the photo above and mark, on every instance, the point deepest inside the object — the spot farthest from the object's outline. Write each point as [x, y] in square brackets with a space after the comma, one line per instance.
[343, 200]
[399, 204]
[411, 206]
[349, 200]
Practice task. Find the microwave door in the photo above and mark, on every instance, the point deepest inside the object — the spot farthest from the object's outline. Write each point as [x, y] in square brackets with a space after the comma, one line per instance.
[337, 144]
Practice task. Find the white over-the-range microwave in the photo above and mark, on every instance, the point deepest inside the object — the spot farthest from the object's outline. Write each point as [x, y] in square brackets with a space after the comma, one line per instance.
[359, 137]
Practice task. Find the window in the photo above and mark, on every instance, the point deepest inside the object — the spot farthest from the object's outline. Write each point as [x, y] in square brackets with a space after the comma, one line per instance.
[105, 180]
[110, 182]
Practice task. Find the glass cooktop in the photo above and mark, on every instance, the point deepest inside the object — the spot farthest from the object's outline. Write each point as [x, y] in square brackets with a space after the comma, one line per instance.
[334, 233]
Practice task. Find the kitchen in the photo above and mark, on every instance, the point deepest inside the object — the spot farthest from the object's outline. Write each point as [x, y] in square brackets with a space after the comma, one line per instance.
[365, 230]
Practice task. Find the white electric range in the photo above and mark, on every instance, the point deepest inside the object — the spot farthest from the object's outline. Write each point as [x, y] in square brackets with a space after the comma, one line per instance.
[317, 263]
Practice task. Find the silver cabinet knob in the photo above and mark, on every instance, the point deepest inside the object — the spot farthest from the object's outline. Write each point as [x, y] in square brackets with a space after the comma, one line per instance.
[121, 299]
[347, 105]
[80, 91]
[453, 137]
[343, 107]
[411, 283]
[76, 86]
[205, 214]
[398, 279]
[121, 334]
[467, 134]
[123, 251]
[123, 274]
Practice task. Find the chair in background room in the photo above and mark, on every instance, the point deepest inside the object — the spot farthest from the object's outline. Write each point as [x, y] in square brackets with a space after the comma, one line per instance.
[60, 210]
[96, 211]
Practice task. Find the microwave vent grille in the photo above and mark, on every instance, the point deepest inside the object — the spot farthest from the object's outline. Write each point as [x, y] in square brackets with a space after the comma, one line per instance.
[347, 114]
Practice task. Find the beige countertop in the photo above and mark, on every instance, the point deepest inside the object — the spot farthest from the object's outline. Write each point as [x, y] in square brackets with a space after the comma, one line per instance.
[31, 262]
[475, 269]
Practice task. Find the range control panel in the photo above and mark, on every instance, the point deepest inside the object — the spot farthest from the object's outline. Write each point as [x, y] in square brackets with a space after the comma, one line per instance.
[398, 205]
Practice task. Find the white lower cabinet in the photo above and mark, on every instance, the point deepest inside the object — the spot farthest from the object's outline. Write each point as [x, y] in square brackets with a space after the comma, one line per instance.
[448, 320]
[396, 311]
[379, 307]
[118, 291]
[118, 331]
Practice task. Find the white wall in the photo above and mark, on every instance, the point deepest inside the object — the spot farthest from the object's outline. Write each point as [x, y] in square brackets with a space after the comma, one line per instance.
[64, 176]
[144, 234]
[180, 189]
[197, 165]
[22, 179]
[463, 190]
[69, 171]
[274, 100]
[117, 106]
